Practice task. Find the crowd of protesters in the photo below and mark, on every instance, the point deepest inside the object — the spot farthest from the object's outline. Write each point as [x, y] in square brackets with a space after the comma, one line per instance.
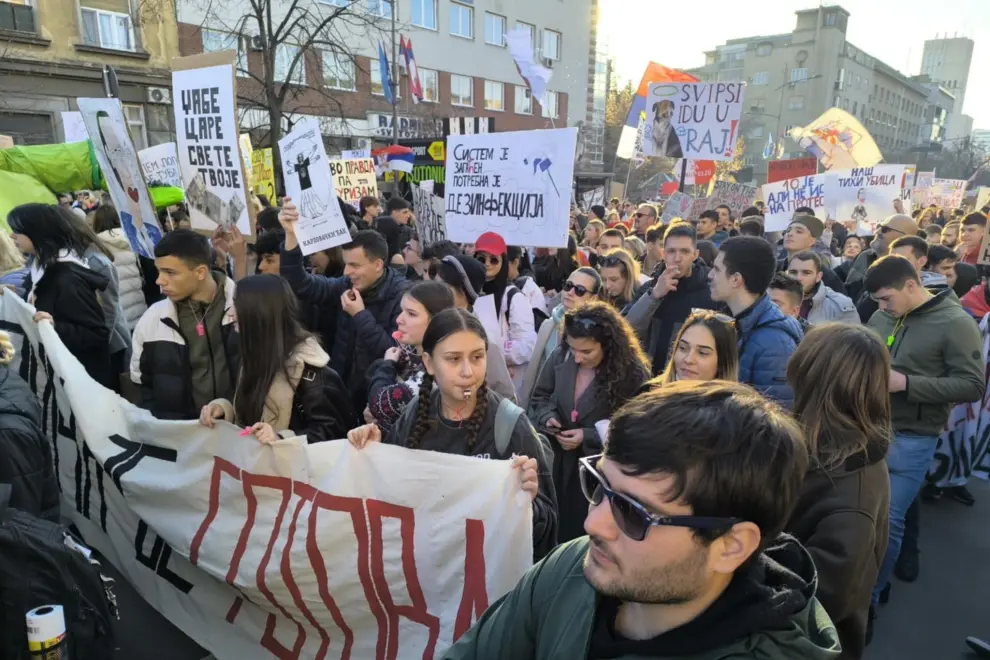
[758, 411]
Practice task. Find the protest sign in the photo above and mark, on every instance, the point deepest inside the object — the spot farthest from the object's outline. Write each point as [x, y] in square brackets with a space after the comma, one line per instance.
[947, 193]
[429, 214]
[354, 179]
[73, 127]
[866, 195]
[263, 173]
[838, 141]
[910, 173]
[161, 166]
[678, 205]
[922, 186]
[592, 197]
[700, 205]
[355, 154]
[517, 184]
[697, 172]
[982, 197]
[781, 170]
[306, 174]
[284, 551]
[783, 198]
[737, 196]
[693, 120]
[118, 160]
[204, 92]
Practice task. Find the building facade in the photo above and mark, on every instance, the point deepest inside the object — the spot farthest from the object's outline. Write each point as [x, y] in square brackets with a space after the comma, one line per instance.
[53, 51]
[947, 62]
[981, 138]
[464, 67]
[939, 106]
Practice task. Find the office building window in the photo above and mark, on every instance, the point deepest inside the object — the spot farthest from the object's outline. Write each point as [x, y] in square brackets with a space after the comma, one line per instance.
[551, 44]
[461, 21]
[530, 29]
[430, 82]
[107, 29]
[461, 90]
[338, 72]
[494, 29]
[134, 114]
[829, 19]
[855, 106]
[284, 56]
[799, 74]
[795, 103]
[380, 8]
[761, 78]
[494, 96]
[215, 42]
[764, 50]
[550, 104]
[424, 14]
[756, 132]
[524, 100]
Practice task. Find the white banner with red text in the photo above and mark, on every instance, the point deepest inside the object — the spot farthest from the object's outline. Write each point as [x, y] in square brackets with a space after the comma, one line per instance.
[287, 551]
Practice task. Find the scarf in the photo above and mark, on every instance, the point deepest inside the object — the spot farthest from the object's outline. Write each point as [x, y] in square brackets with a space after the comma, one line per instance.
[375, 288]
[38, 271]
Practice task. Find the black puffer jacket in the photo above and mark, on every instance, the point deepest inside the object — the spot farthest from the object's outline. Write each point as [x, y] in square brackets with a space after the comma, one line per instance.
[321, 406]
[25, 453]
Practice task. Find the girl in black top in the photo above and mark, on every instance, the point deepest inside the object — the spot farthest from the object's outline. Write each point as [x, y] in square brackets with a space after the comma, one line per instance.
[458, 417]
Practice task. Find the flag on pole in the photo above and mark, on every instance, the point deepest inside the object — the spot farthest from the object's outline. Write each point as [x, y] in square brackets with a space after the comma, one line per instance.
[386, 74]
[769, 149]
[403, 61]
[408, 62]
[637, 113]
[395, 157]
[537, 76]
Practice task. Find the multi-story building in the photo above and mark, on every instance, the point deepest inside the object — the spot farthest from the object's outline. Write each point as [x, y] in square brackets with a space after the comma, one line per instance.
[981, 139]
[793, 78]
[939, 107]
[947, 61]
[464, 66]
[53, 51]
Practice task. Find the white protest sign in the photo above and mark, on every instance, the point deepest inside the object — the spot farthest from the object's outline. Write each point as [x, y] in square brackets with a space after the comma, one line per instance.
[783, 198]
[354, 179]
[161, 166]
[355, 154]
[678, 205]
[865, 195]
[592, 197]
[209, 153]
[982, 197]
[517, 184]
[306, 173]
[693, 120]
[73, 127]
[947, 193]
[922, 185]
[284, 551]
[429, 214]
[118, 160]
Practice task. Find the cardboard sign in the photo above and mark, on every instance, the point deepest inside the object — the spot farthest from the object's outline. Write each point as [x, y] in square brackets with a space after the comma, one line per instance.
[922, 185]
[866, 195]
[429, 214]
[161, 165]
[947, 193]
[306, 174]
[678, 205]
[263, 173]
[517, 184]
[118, 160]
[781, 170]
[354, 179]
[593, 196]
[783, 198]
[737, 196]
[693, 120]
[73, 127]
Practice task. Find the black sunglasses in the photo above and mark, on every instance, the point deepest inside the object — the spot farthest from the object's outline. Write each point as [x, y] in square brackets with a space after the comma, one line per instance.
[645, 215]
[611, 262]
[631, 517]
[579, 289]
[492, 259]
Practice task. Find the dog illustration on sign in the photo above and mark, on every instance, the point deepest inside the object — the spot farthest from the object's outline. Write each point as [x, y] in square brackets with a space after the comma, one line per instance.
[665, 140]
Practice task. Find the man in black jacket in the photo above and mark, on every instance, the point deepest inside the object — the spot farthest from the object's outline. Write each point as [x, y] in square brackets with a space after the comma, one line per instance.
[365, 300]
[681, 284]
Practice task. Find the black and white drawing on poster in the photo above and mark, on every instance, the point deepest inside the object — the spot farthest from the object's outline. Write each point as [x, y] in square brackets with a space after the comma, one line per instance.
[306, 173]
[429, 214]
[118, 160]
[699, 121]
[208, 148]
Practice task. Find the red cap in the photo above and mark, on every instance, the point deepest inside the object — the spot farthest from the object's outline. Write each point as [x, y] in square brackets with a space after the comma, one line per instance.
[491, 243]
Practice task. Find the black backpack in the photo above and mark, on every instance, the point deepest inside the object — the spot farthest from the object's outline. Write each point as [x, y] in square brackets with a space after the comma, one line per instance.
[41, 564]
[538, 316]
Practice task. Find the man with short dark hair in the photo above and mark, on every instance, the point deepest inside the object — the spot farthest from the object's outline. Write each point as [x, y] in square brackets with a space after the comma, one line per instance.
[611, 239]
[742, 271]
[943, 260]
[684, 555]
[707, 228]
[890, 229]
[936, 362]
[751, 227]
[366, 300]
[185, 348]
[724, 219]
[950, 235]
[680, 285]
[787, 294]
[646, 217]
[804, 234]
[820, 304]
[974, 226]
[653, 256]
[370, 207]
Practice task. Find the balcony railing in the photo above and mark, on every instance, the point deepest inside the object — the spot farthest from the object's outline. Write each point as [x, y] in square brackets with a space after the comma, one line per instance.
[17, 18]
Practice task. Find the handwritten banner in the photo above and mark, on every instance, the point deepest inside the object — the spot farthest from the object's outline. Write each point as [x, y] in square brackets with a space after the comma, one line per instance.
[263, 173]
[783, 198]
[947, 193]
[737, 196]
[429, 214]
[290, 551]
[354, 179]
[161, 165]
[678, 205]
[693, 120]
[781, 170]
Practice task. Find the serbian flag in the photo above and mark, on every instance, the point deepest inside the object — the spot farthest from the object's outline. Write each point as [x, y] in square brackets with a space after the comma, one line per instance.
[408, 62]
[396, 157]
[654, 73]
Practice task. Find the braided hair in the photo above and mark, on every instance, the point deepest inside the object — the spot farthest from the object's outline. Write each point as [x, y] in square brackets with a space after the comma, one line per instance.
[623, 362]
[442, 325]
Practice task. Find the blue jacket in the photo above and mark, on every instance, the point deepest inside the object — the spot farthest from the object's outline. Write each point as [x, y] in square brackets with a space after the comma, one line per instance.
[767, 339]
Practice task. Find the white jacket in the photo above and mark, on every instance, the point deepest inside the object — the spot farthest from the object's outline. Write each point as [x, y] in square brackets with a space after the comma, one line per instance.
[131, 290]
[514, 331]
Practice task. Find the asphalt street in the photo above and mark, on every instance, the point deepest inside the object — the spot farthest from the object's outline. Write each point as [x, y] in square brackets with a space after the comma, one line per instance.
[926, 620]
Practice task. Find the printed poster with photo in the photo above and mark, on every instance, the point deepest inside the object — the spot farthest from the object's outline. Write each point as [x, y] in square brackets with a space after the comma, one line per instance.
[209, 153]
[306, 173]
[121, 168]
[866, 195]
[517, 184]
[693, 120]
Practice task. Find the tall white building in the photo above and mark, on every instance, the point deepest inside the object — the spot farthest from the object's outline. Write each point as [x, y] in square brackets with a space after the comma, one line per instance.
[981, 138]
[947, 61]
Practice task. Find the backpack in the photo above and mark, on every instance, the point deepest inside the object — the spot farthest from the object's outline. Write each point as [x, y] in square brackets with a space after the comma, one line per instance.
[41, 564]
[506, 418]
[538, 315]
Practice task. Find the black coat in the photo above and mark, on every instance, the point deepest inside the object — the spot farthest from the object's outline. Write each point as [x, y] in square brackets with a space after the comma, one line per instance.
[25, 453]
[69, 292]
[321, 406]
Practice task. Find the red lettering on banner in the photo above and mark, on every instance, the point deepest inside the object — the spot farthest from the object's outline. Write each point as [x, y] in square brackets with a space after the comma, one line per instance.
[220, 467]
[417, 612]
[475, 594]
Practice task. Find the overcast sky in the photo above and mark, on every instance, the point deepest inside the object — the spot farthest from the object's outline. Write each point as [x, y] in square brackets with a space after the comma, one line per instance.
[679, 33]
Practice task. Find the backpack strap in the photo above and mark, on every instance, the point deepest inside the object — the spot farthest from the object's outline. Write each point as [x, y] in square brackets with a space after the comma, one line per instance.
[506, 417]
[5, 492]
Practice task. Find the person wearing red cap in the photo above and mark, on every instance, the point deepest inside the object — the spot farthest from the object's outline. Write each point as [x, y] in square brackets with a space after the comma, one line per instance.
[512, 329]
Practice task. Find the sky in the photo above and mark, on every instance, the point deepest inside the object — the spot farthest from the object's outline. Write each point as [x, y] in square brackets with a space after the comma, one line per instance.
[892, 32]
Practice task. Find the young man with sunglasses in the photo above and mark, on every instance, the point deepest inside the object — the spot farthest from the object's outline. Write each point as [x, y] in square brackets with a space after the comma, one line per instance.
[889, 230]
[684, 555]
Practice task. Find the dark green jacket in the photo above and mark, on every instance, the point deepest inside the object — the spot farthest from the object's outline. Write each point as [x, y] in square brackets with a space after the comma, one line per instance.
[940, 351]
[551, 613]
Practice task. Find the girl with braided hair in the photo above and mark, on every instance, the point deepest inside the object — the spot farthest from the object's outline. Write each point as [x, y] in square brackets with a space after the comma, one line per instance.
[458, 416]
[598, 366]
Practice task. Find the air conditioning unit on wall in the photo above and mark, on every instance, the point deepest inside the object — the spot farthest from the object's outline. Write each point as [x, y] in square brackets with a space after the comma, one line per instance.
[159, 95]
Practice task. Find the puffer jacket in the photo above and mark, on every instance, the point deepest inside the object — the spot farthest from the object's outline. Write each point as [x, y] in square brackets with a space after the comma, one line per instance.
[828, 305]
[767, 339]
[25, 453]
[120, 333]
[130, 288]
